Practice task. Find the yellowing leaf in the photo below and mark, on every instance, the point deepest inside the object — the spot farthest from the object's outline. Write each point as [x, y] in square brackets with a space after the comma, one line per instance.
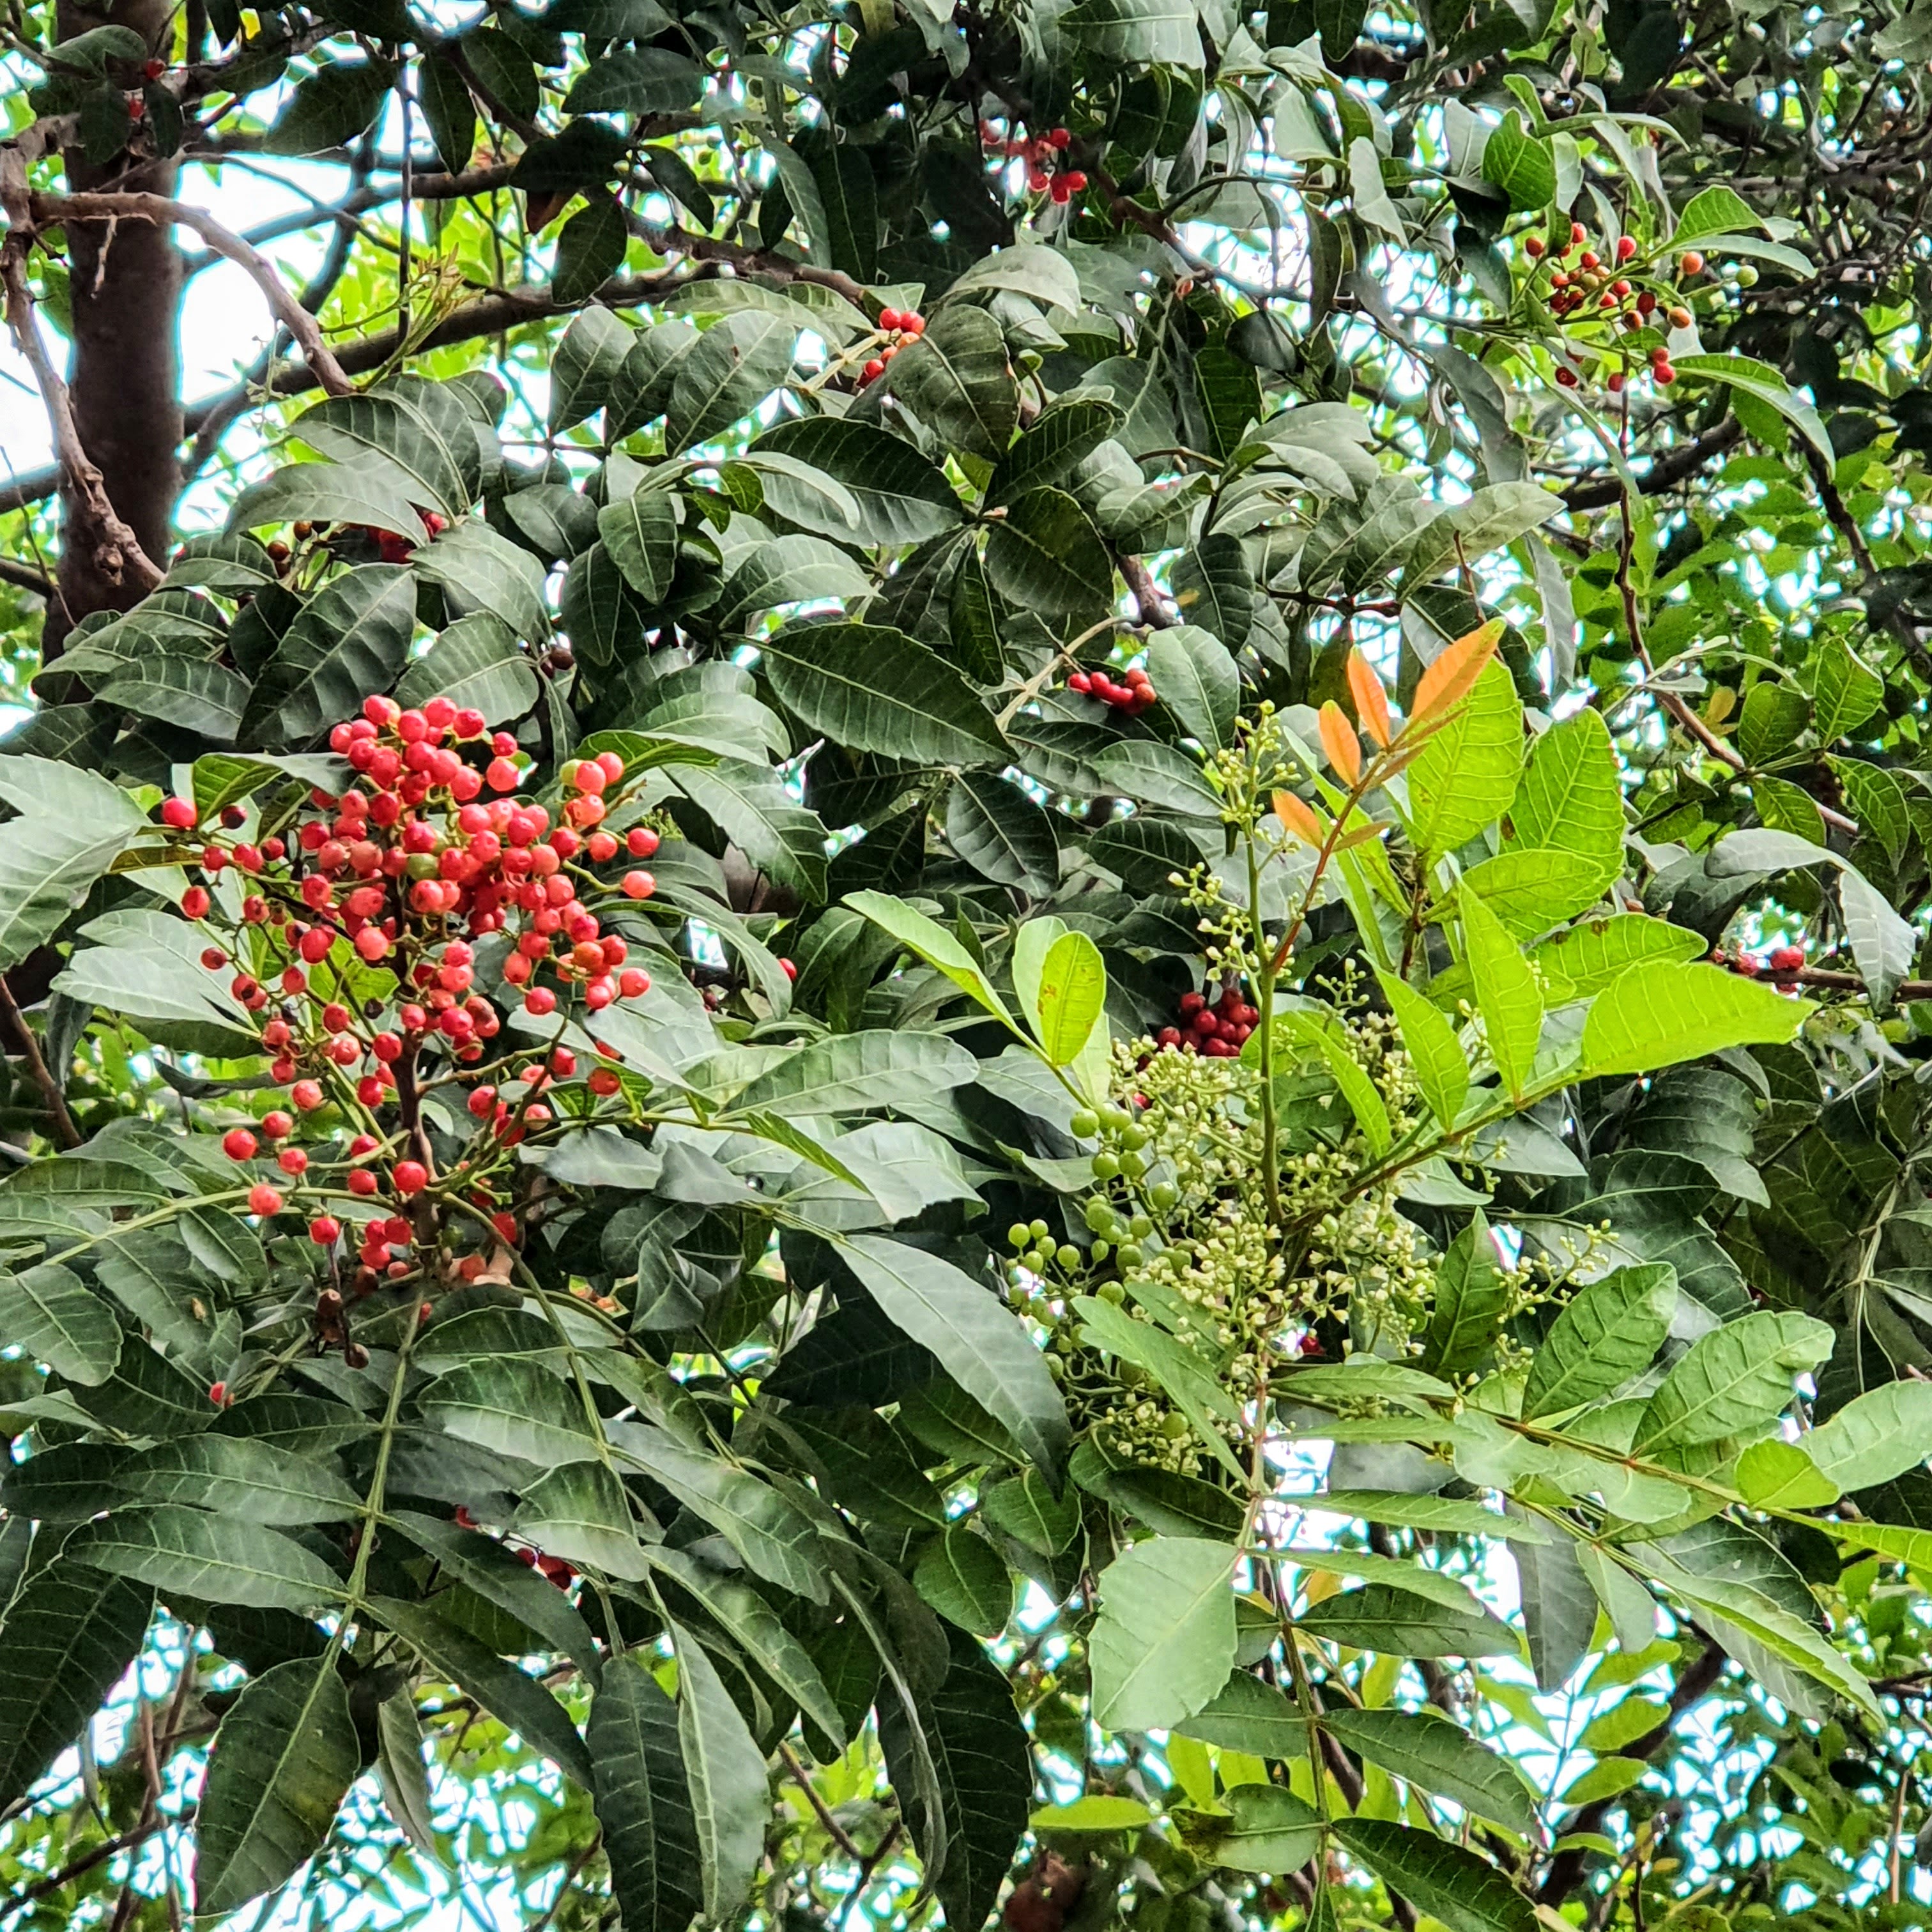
[1663, 1011]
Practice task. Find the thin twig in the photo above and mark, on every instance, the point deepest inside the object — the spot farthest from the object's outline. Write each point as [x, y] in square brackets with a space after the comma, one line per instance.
[117, 551]
[158, 208]
[802, 1779]
[65, 1131]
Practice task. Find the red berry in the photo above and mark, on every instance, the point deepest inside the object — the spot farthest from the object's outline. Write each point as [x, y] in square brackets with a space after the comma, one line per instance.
[362, 1181]
[1533, 246]
[238, 1144]
[1075, 180]
[639, 885]
[888, 319]
[325, 1231]
[276, 1125]
[874, 369]
[1577, 233]
[1663, 373]
[307, 1094]
[195, 902]
[641, 842]
[633, 983]
[292, 1160]
[214, 958]
[264, 1200]
[1626, 247]
[789, 967]
[217, 1393]
[539, 1001]
[410, 1177]
[1080, 682]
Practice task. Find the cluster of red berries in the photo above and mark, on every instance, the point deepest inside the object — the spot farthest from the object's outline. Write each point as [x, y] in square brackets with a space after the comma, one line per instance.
[1218, 1029]
[1584, 287]
[407, 871]
[1043, 155]
[902, 326]
[1781, 962]
[1134, 692]
[554, 1569]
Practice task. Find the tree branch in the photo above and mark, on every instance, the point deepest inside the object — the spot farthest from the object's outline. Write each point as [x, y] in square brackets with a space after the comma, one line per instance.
[49, 209]
[117, 551]
[1692, 1685]
[1673, 466]
[15, 1022]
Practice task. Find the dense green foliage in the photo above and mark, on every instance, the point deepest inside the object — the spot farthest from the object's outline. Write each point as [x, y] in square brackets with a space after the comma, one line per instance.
[1259, 1251]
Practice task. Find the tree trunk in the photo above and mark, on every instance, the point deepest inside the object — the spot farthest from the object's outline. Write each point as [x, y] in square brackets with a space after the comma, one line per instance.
[125, 383]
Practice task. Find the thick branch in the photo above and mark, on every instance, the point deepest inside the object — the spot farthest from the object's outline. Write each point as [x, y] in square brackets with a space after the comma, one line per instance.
[117, 551]
[1672, 467]
[49, 208]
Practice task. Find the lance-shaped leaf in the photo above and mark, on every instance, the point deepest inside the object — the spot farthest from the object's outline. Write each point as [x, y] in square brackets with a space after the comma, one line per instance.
[1466, 1892]
[281, 1764]
[725, 1772]
[72, 825]
[1164, 1643]
[220, 1559]
[1607, 1333]
[1426, 1749]
[980, 1342]
[69, 1638]
[1737, 1377]
[643, 1803]
[872, 688]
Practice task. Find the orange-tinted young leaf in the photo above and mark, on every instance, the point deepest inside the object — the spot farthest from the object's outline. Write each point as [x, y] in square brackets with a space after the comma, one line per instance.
[1371, 701]
[1298, 820]
[1452, 675]
[1339, 741]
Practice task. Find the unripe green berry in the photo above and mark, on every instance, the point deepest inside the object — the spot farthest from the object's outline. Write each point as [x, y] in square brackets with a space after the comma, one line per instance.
[1068, 1256]
[1174, 1426]
[1129, 1256]
[1102, 1249]
[1019, 1234]
[1112, 1291]
[1163, 1194]
[1039, 1230]
[1105, 1166]
[1085, 1125]
[1140, 1227]
[1135, 1136]
[1133, 1165]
